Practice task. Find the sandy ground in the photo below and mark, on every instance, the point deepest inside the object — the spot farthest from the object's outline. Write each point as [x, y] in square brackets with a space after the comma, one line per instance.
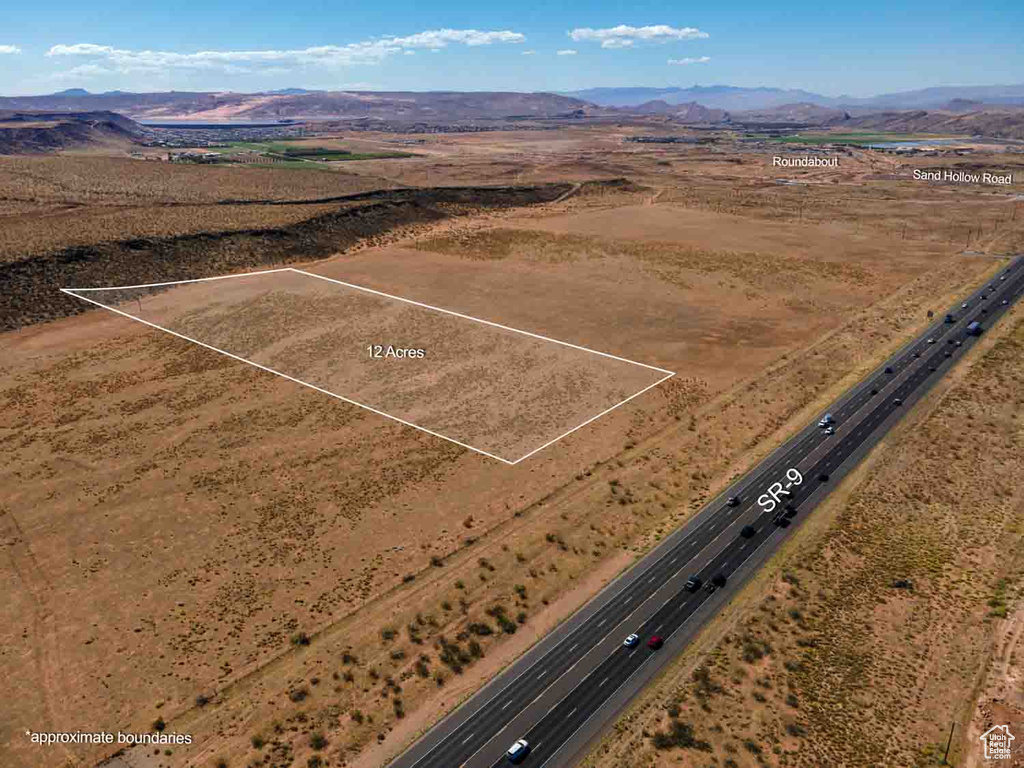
[497, 390]
[192, 539]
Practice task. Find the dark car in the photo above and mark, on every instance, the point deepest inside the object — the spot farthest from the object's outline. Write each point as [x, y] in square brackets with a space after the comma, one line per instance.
[748, 531]
[718, 579]
[874, 391]
[948, 353]
[655, 642]
[888, 369]
[917, 354]
[734, 501]
[823, 476]
[780, 519]
[931, 368]
[693, 583]
[790, 510]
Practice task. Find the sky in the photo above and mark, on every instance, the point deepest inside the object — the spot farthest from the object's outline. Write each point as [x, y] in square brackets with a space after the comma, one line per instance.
[856, 49]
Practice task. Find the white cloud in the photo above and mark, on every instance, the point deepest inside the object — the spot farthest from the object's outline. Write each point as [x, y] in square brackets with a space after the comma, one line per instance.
[566, 52]
[12, 49]
[625, 36]
[684, 62]
[529, 53]
[410, 53]
[373, 51]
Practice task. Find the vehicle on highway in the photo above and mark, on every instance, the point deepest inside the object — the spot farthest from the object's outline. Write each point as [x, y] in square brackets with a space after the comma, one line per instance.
[718, 579]
[974, 329]
[823, 476]
[888, 369]
[710, 588]
[959, 343]
[964, 305]
[829, 431]
[897, 401]
[748, 531]
[949, 341]
[518, 751]
[734, 501]
[631, 641]
[950, 319]
[874, 391]
[1005, 302]
[780, 519]
[790, 510]
[1003, 277]
[693, 583]
[931, 368]
[931, 341]
[826, 420]
[948, 353]
[655, 642]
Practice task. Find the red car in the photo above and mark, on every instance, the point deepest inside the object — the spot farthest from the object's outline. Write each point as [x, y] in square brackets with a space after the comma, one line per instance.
[655, 643]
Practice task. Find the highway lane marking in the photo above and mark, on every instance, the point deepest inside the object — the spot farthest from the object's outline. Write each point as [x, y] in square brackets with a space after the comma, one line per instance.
[788, 454]
[542, 673]
[573, 647]
[545, 763]
[467, 738]
[602, 621]
[506, 703]
[598, 685]
[631, 675]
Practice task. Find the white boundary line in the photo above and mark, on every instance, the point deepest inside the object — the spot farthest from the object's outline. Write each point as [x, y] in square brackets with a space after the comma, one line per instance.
[179, 282]
[668, 374]
[485, 322]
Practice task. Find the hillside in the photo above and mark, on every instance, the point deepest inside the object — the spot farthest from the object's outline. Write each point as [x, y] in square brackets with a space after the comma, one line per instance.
[1005, 123]
[691, 112]
[34, 132]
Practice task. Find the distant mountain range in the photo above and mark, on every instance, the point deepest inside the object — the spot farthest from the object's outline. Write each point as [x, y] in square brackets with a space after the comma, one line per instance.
[698, 105]
[736, 99]
[292, 103]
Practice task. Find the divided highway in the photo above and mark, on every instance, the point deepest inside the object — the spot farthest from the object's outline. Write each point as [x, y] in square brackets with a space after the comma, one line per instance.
[561, 693]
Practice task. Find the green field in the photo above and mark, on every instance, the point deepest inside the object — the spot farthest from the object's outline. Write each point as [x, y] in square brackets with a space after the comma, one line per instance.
[856, 139]
[314, 153]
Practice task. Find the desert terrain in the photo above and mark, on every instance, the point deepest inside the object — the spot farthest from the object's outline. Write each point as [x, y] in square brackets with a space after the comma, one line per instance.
[196, 546]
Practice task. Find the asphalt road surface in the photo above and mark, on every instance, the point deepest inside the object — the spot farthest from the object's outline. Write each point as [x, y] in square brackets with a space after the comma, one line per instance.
[560, 694]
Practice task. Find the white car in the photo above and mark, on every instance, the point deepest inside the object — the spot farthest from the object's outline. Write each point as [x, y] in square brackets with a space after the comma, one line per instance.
[964, 305]
[829, 431]
[518, 751]
[931, 341]
[631, 641]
